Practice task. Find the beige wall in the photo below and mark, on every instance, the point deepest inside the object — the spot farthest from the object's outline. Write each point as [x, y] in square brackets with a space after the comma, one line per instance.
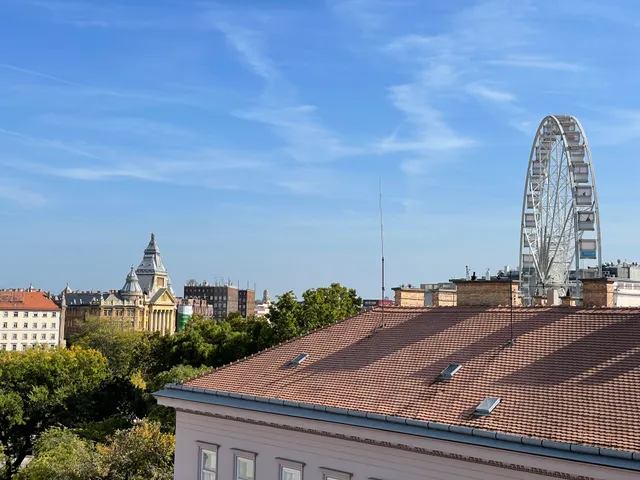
[445, 298]
[409, 297]
[598, 292]
[421, 458]
[489, 294]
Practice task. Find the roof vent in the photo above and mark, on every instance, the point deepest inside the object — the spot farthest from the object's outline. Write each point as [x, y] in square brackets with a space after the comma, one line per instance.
[487, 406]
[448, 373]
[299, 359]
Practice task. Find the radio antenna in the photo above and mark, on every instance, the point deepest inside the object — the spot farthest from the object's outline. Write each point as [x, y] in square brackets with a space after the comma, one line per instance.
[382, 300]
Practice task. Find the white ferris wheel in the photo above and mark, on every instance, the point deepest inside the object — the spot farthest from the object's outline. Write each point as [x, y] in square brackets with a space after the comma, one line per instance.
[560, 230]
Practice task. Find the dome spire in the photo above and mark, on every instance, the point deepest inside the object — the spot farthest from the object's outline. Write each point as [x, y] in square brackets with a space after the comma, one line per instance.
[131, 284]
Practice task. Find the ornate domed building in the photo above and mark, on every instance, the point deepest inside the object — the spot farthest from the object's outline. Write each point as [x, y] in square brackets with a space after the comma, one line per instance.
[145, 302]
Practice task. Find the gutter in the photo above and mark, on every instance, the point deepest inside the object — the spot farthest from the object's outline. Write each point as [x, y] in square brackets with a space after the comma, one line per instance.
[435, 430]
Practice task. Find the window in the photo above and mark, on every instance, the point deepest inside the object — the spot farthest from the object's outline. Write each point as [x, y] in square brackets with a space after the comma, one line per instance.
[5, 314]
[289, 470]
[53, 345]
[53, 325]
[4, 336]
[44, 314]
[14, 347]
[4, 324]
[43, 336]
[14, 336]
[54, 314]
[328, 474]
[25, 325]
[35, 324]
[4, 346]
[15, 314]
[244, 465]
[44, 324]
[34, 336]
[208, 461]
[35, 314]
[25, 314]
[52, 336]
[15, 324]
[24, 336]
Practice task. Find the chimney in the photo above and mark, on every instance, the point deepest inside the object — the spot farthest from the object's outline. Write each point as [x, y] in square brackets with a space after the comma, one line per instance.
[598, 292]
[487, 293]
[409, 296]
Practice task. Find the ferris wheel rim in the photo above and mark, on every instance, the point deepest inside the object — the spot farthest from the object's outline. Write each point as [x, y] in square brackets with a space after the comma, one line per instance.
[569, 179]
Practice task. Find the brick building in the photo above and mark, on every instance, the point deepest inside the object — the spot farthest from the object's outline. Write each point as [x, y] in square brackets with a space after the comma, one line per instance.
[224, 299]
[246, 302]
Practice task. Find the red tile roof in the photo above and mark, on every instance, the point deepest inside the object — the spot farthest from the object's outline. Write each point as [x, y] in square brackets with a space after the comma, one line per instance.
[573, 375]
[14, 300]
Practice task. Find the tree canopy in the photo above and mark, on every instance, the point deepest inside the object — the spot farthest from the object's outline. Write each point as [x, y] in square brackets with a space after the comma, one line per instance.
[40, 388]
[142, 452]
[78, 405]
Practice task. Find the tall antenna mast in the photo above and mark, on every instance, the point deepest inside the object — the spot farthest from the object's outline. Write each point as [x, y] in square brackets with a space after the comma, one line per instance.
[382, 302]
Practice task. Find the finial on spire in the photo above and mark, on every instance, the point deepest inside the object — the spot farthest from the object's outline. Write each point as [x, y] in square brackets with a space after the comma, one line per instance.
[153, 237]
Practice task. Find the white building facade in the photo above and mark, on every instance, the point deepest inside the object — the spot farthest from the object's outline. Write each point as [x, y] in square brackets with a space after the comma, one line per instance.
[29, 318]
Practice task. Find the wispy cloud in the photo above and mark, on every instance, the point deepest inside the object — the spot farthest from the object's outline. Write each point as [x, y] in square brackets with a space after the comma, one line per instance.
[298, 124]
[22, 196]
[538, 63]
[84, 90]
[41, 142]
[487, 93]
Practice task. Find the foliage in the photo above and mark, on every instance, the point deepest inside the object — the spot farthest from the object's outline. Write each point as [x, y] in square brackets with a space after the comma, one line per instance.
[40, 388]
[100, 386]
[59, 454]
[143, 452]
[127, 350]
[327, 305]
[319, 307]
[139, 453]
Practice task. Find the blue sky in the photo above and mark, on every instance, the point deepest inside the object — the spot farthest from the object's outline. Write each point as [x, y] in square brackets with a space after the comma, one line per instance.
[250, 135]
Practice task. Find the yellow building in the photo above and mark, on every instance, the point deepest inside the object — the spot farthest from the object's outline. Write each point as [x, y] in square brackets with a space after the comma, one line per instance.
[145, 302]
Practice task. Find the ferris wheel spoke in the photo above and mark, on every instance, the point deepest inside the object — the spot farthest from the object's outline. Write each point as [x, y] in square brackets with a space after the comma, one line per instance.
[560, 207]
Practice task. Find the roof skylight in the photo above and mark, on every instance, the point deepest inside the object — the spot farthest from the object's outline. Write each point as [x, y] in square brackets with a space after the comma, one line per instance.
[448, 373]
[299, 359]
[487, 406]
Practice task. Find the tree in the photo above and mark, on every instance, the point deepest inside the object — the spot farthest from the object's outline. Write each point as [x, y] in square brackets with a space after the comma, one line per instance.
[39, 389]
[319, 307]
[327, 305]
[284, 316]
[60, 454]
[127, 350]
[143, 452]
[139, 453]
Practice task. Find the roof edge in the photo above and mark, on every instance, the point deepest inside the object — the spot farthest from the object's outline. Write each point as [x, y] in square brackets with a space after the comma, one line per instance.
[462, 434]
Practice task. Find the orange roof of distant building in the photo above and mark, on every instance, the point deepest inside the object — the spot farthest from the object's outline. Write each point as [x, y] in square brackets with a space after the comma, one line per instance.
[26, 300]
[573, 375]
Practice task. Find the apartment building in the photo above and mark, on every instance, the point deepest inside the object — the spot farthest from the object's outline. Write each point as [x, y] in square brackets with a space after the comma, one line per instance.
[440, 393]
[29, 318]
[224, 299]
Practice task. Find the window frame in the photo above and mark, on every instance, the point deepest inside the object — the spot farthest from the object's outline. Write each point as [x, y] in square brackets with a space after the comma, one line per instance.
[209, 447]
[245, 455]
[291, 464]
[328, 473]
